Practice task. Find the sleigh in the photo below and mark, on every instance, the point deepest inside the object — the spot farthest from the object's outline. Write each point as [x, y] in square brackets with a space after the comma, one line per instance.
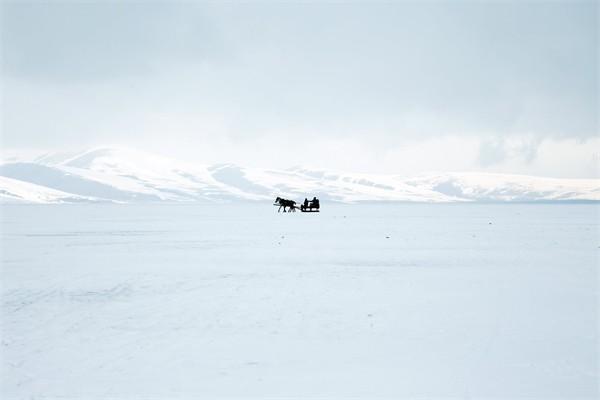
[291, 205]
[309, 208]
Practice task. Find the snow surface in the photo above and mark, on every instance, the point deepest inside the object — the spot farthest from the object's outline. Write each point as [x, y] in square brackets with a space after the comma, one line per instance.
[176, 301]
[15, 191]
[130, 176]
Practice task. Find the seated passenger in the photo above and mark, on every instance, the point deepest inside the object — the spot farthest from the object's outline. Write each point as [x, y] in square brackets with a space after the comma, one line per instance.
[314, 203]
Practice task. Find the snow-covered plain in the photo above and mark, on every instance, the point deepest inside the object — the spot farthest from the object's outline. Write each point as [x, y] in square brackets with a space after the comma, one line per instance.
[103, 301]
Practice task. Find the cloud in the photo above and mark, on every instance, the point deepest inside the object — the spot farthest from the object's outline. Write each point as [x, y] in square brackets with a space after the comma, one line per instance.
[497, 150]
[492, 152]
[503, 79]
[82, 42]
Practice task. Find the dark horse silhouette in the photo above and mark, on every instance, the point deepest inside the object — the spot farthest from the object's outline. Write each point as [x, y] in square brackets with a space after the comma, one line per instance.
[285, 203]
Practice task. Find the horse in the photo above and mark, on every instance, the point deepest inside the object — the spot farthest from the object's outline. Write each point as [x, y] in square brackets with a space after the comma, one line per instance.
[285, 203]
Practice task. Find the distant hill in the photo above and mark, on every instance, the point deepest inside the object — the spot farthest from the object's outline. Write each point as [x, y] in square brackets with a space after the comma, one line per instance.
[129, 176]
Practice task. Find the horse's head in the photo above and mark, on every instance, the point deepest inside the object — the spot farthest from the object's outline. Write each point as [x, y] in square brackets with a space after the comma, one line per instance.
[278, 199]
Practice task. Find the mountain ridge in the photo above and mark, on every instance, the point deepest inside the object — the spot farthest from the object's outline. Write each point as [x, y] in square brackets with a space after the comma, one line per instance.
[122, 175]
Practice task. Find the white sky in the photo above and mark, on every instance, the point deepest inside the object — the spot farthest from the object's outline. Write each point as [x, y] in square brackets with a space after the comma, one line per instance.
[400, 87]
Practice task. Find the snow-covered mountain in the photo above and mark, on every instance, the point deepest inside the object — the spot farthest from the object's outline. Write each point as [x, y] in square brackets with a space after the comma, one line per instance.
[125, 175]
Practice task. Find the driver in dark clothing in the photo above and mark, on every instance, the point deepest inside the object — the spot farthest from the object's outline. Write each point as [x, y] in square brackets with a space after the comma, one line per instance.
[314, 203]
